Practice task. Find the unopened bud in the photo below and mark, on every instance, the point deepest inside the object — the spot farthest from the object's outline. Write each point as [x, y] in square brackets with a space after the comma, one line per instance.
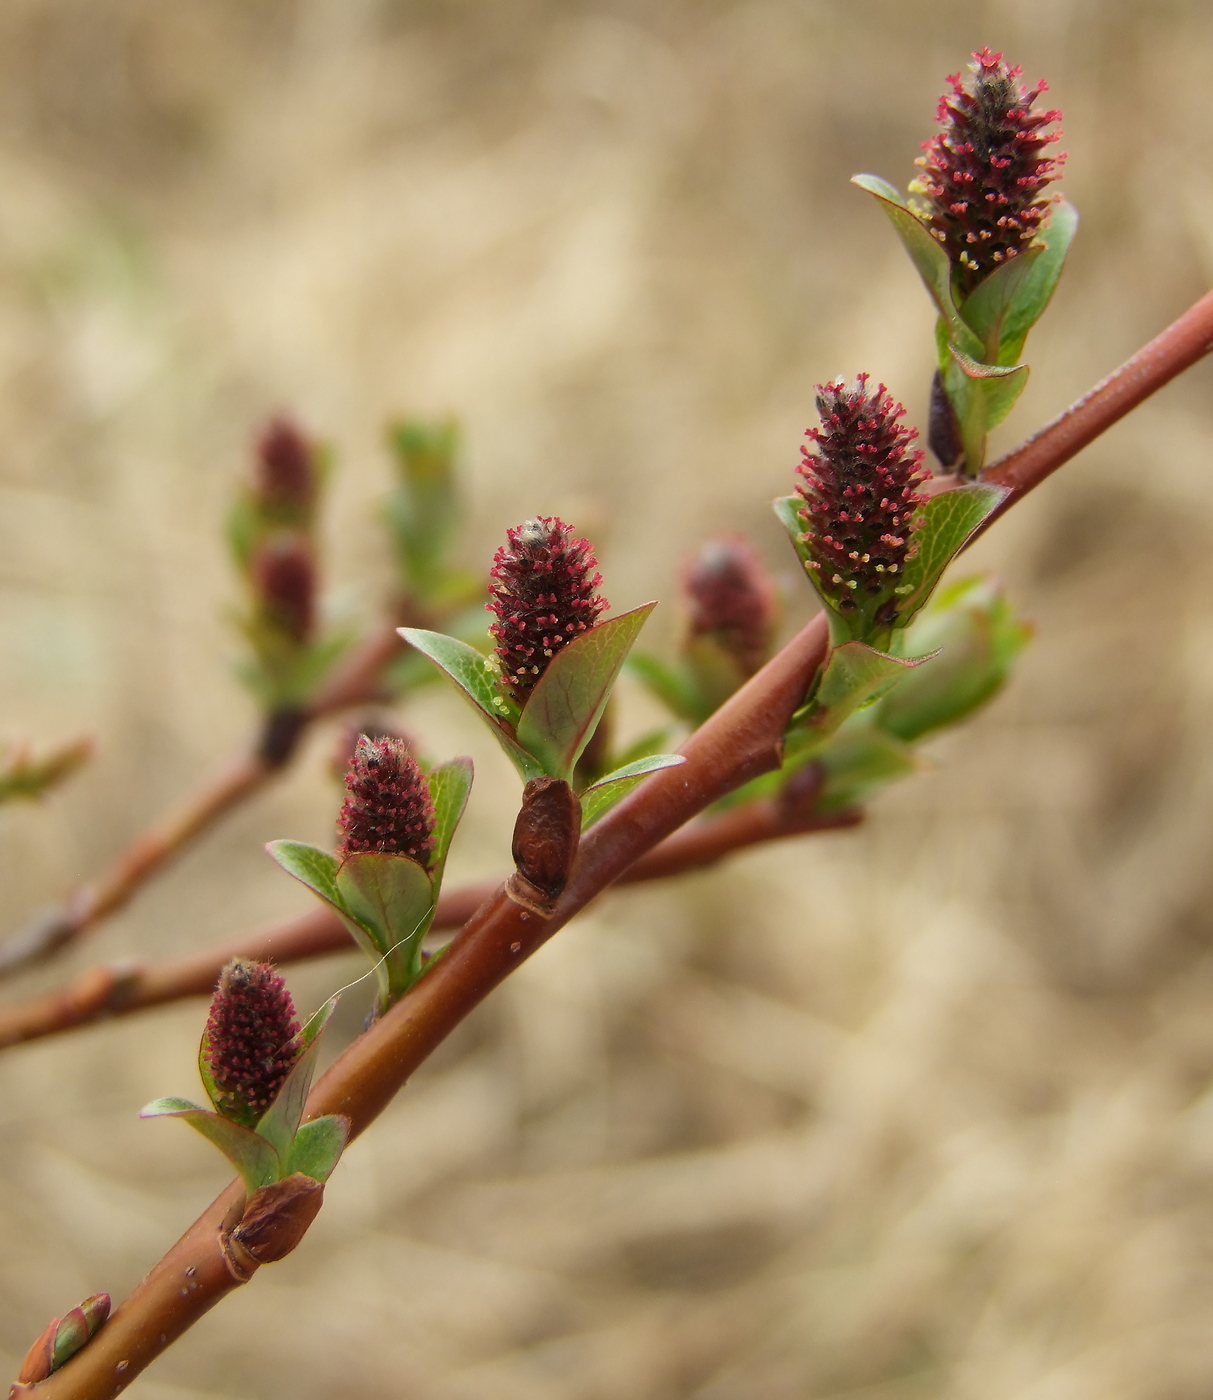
[732, 601]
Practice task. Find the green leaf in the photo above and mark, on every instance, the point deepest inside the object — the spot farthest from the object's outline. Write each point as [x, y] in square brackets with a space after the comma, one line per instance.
[981, 394]
[279, 1123]
[449, 785]
[948, 522]
[392, 898]
[860, 759]
[653, 742]
[927, 255]
[977, 637]
[479, 681]
[855, 675]
[568, 700]
[986, 309]
[999, 385]
[670, 684]
[1036, 290]
[310, 865]
[318, 1147]
[596, 801]
[252, 1156]
[317, 869]
[471, 671]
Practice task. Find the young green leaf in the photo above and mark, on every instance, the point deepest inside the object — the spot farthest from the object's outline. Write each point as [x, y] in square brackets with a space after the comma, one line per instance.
[318, 1146]
[977, 638]
[985, 310]
[855, 675]
[928, 257]
[279, 1123]
[982, 396]
[449, 785]
[309, 865]
[479, 681]
[392, 898]
[252, 1156]
[596, 801]
[1036, 290]
[949, 520]
[568, 700]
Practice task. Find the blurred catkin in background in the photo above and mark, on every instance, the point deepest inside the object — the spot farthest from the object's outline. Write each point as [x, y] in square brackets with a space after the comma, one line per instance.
[921, 1109]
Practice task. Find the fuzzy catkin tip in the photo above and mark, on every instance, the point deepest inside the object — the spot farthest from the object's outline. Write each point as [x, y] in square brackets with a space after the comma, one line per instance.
[542, 591]
[982, 187]
[250, 1044]
[285, 479]
[732, 600]
[860, 506]
[387, 804]
[284, 577]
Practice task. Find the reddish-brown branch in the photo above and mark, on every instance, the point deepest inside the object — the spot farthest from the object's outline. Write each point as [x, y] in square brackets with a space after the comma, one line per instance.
[356, 682]
[741, 740]
[1178, 348]
[105, 992]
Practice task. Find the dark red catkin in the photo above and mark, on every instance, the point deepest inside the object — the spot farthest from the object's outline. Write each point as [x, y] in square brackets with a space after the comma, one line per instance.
[542, 591]
[250, 1044]
[387, 804]
[285, 479]
[982, 190]
[284, 577]
[732, 600]
[860, 503]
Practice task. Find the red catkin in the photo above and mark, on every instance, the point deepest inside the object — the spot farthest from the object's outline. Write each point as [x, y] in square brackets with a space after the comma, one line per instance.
[860, 504]
[250, 1043]
[982, 187]
[387, 804]
[543, 592]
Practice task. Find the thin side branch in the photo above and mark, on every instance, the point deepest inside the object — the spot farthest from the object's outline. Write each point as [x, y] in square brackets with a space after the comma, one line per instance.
[121, 990]
[354, 683]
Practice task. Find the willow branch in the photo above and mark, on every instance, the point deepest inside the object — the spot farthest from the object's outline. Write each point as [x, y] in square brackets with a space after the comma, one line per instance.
[356, 682]
[1178, 348]
[742, 740]
[124, 989]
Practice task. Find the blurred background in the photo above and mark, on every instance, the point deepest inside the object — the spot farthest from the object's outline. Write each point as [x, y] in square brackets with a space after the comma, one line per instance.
[921, 1109]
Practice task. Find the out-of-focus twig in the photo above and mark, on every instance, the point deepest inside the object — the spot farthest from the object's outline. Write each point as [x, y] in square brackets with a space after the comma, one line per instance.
[356, 682]
[122, 989]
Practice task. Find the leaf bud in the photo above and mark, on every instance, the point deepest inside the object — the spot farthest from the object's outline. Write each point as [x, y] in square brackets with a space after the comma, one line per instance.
[733, 602]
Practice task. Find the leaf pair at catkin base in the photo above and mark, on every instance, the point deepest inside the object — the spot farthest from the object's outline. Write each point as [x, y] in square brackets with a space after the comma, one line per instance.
[387, 900]
[987, 243]
[279, 1145]
[546, 736]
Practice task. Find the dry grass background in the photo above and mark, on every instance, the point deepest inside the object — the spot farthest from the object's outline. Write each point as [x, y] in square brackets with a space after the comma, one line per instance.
[922, 1109]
